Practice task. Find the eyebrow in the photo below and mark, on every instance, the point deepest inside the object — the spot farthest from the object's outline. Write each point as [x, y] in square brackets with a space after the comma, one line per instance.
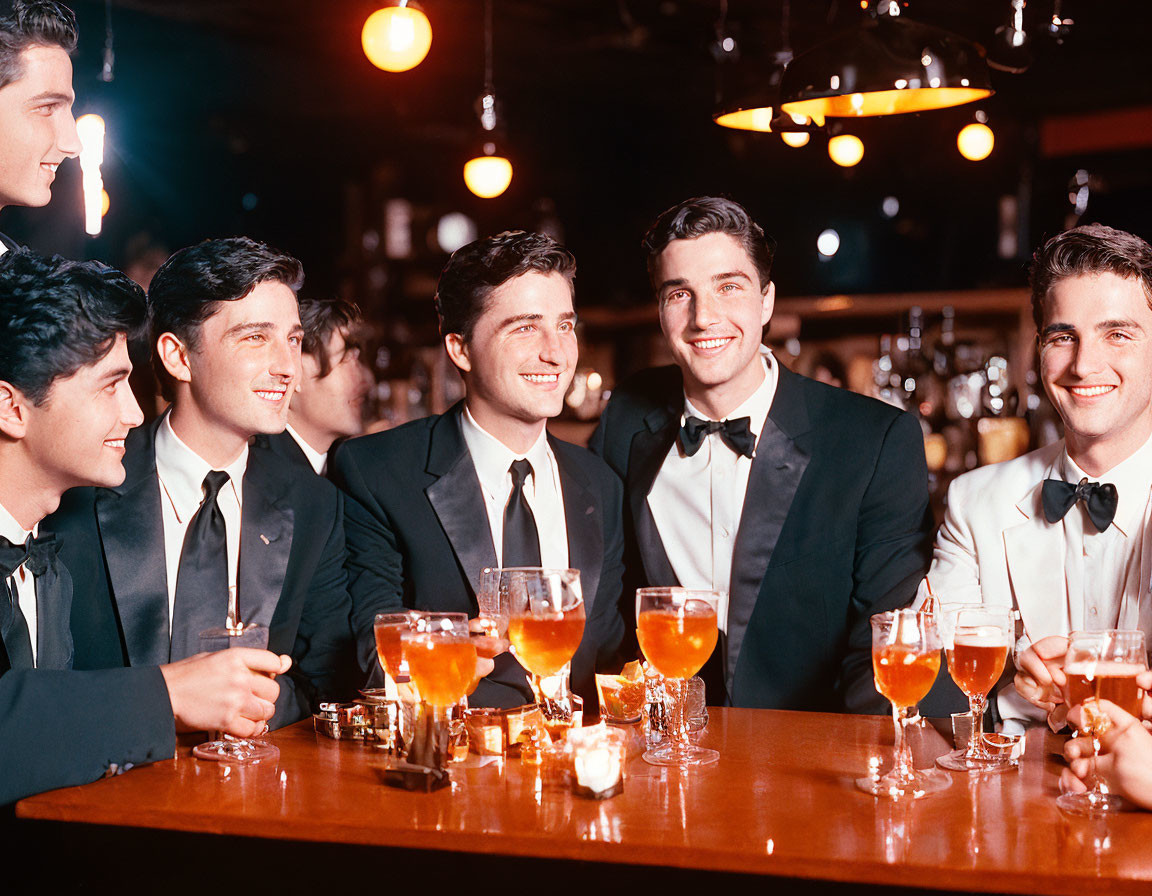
[1101, 327]
[113, 376]
[53, 96]
[262, 326]
[730, 275]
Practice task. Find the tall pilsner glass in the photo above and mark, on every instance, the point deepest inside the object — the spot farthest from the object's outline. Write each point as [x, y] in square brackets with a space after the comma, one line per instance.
[905, 659]
[976, 642]
[677, 631]
[1101, 665]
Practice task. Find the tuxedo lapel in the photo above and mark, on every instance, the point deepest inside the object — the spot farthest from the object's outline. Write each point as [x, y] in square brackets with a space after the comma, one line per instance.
[266, 530]
[646, 455]
[54, 647]
[456, 498]
[132, 535]
[583, 520]
[1034, 550]
[777, 469]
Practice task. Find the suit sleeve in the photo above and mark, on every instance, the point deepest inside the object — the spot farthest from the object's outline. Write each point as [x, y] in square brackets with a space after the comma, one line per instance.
[893, 543]
[323, 656]
[63, 728]
[374, 562]
[609, 619]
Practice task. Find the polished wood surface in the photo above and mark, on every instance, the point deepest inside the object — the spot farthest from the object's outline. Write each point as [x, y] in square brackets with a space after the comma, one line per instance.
[781, 801]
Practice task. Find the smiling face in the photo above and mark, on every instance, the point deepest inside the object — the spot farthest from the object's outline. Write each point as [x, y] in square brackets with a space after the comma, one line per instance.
[713, 311]
[76, 436]
[520, 360]
[1096, 364]
[37, 130]
[328, 407]
[239, 379]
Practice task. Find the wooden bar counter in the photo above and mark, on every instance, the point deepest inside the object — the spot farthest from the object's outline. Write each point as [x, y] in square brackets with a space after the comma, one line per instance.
[781, 801]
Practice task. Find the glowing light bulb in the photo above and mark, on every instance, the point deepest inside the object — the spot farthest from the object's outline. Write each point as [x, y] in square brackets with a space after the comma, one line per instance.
[488, 175]
[795, 138]
[90, 129]
[975, 142]
[846, 150]
[396, 38]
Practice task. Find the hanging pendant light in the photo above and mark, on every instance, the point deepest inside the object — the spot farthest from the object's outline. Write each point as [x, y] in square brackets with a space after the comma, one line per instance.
[397, 37]
[488, 174]
[885, 66]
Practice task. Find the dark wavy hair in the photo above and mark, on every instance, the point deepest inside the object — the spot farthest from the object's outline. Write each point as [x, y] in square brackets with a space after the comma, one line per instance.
[476, 270]
[32, 23]
[1091, 249]
[320, 319]
[58, 316]
[710, 214]
[189, 287]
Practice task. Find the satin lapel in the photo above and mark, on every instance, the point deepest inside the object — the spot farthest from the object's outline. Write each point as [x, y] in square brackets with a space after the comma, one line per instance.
[54, 647]
[456, 498]
[649, 447]
[777, 469]
[132, 535]
[266, 529]
[583, 520]
[1034, 550]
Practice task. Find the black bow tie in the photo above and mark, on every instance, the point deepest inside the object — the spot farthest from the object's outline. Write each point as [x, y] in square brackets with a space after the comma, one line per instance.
[1099, 500]
[39, 554]
[737, 434]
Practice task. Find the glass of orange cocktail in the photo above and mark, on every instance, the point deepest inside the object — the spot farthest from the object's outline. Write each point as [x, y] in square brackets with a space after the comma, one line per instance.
[905, 660]
[441, 661]
[545, 625]
[677, 631]
[976, 641]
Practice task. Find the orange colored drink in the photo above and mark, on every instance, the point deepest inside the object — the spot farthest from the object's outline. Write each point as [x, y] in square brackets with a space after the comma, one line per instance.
[544, 644]
[442, 668]
[903, 675]
[1106, 681]
[976, 666]
[388, 646]
[677, 644]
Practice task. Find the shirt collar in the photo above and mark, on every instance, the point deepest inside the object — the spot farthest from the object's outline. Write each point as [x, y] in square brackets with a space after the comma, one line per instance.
[12, 530]
[492, 458]
[757, 405]
[1132, 478]
[317, 459]
[181, 470]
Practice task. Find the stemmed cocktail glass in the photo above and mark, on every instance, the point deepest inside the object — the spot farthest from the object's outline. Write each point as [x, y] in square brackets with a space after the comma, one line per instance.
[976, 641]
[1101, 666]
[677, 631]
[905, 659]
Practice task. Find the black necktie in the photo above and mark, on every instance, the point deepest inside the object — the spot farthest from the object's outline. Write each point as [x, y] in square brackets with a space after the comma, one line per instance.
[38, 555]
[736, 434]
[1099, 500]
[521, 543]
[202, 580]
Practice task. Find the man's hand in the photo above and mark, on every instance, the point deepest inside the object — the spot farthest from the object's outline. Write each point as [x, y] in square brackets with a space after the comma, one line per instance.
[233, 691]
[1125, 761]
[1040, 675]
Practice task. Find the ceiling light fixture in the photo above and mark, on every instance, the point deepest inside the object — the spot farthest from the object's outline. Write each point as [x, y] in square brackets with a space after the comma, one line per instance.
[397, 37]
[887, 65]
[488, 174]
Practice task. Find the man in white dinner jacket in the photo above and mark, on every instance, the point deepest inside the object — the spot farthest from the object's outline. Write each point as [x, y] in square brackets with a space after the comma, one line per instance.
[1062, 533]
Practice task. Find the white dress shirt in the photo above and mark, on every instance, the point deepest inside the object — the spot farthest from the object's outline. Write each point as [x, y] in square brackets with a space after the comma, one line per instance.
[24, 581]
[1103, 568]
[704, 493]
[492, 458]
[318, 461]
[181, 472]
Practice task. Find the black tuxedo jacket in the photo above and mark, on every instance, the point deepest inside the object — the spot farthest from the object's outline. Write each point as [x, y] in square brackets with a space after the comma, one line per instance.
[290, 575]
[835, 527]
[59, 728]
[418, 538]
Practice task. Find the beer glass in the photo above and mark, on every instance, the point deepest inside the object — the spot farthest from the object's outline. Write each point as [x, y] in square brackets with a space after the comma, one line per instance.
[1101, 666]
[388, 628]
[905, 659]
[976, 641]
[677, 631]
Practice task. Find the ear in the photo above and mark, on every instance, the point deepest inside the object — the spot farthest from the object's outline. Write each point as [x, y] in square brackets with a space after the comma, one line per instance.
[173, 354]
[769, 304]
[457, 350]
[13, 411]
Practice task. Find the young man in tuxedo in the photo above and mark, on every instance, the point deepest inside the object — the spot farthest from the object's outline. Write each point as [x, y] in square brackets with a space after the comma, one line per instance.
[201, 514]
[434, 502]
[806, 505]
[1062, 534]
[37, 130]
[65, 410]
[328, 406]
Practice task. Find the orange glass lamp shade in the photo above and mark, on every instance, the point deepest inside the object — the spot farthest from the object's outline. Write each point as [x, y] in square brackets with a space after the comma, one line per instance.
[396, 38]
[886, 66]
[488, 175]
[975, 142]
[754, 119]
